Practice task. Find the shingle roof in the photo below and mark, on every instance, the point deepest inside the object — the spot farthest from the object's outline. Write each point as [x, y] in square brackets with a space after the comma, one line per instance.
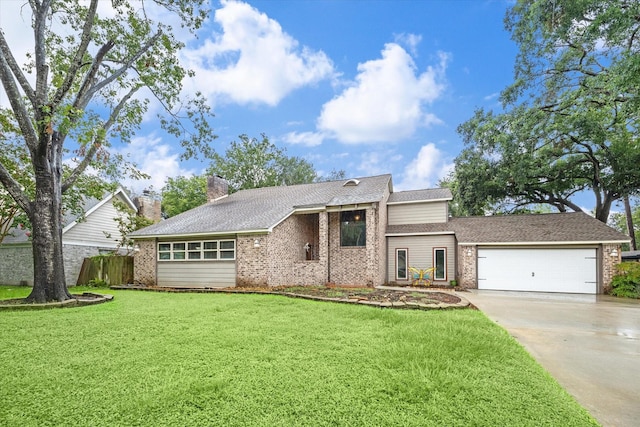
[538, 228]
[419, 195]
[534, 228]
[262, 208]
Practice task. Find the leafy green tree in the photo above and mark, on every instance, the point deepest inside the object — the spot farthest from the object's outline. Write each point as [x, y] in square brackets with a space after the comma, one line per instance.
[183, 193]
[127, 222]
[94, 79]
[334, 175]
[571, 116]
[254, 163]
[620, 222]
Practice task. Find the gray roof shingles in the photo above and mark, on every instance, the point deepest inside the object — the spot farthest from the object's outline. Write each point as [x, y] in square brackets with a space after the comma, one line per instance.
[260, 209]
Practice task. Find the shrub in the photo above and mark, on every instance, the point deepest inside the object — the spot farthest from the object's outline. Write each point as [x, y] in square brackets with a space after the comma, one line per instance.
[97, 283]
[626, 282]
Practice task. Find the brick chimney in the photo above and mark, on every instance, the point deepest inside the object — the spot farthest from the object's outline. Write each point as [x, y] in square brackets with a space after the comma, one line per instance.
[216, 187]
[148, 207]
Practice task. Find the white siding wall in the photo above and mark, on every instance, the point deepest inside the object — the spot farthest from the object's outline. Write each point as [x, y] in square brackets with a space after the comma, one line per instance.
[91, 231]
[197, 274]
[417, 213]
[421, 253]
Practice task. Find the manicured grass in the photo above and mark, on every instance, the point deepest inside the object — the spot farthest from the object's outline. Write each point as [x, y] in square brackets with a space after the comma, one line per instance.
[156, 359]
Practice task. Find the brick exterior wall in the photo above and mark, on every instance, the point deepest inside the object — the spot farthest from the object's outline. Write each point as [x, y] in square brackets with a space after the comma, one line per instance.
[16, 265]
[609, 265]
[144, 263]
[73, 258]
[467, 272]
[281, 258]
[353, 265]
[252, 264]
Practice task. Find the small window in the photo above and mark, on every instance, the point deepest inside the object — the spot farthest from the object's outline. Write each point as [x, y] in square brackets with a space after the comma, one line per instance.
[164, 251]
[194, 250]
[353, 228]
[440, 263]
[402, 264]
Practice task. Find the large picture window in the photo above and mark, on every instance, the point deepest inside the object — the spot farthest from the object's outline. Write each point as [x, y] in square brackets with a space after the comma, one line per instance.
[353, 228]
[206, 250]
[402, 264]
[440, 263]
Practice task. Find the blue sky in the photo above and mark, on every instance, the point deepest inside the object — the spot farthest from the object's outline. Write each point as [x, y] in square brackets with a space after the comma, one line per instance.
[369, 87]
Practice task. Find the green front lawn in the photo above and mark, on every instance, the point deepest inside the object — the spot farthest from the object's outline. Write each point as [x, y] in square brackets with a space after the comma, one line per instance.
[156, 359]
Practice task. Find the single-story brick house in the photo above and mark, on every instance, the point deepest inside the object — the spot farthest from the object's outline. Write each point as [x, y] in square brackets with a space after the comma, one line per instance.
[361, 232]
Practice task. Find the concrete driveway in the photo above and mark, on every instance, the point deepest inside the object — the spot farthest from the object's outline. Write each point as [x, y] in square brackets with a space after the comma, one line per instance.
[590, 344]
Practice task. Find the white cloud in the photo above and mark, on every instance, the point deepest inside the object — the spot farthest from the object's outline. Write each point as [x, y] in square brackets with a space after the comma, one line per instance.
[411, 41]
[425, 169]
[154, 158]
[308, 139]
[492, 96]
[253, 60]
[386, 103]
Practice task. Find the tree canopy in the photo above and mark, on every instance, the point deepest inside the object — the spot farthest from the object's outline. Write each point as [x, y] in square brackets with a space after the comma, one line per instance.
[571, 117]
[183, 193]
[255, 163]
[88, 83]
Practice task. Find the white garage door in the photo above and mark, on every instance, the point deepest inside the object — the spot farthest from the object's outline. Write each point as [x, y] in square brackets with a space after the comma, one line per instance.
[540, 270]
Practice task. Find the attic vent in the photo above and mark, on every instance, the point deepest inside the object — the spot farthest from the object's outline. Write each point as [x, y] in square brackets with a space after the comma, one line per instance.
[351, 183]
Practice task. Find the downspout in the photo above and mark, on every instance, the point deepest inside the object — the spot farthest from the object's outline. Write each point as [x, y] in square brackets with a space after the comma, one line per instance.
[328, 247]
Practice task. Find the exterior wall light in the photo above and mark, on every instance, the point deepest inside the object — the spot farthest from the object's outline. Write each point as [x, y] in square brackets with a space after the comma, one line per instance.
[614, 252]
[256, 243]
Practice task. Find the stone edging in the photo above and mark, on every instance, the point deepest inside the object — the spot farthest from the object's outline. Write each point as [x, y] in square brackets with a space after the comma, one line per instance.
[80, 300]
[464, 303]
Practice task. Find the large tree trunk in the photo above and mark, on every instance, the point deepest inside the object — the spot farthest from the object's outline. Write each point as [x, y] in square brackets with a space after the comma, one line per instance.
[46, 219]
[603, 207]
[629, 215]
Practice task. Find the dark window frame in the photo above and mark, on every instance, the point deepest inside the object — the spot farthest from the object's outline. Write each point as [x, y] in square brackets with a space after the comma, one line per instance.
[406, 264]
[353, 229]
[444, 267]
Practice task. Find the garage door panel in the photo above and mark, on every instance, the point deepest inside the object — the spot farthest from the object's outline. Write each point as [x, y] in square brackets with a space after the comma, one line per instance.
[542, 270]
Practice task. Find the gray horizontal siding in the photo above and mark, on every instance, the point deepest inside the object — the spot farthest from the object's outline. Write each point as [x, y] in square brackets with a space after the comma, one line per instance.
[421, 253]
[417, 213]
[197, 274]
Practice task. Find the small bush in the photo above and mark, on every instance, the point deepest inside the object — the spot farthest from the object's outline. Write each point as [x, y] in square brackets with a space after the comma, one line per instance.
[626, 283]
[97, 283]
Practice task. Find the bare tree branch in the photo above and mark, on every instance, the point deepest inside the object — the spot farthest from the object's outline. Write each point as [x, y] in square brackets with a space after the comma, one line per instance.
[122, 70]
[79, 170]
[42, 68]
[76, 63]
[17, 104]
[15, 69]
[14, 189]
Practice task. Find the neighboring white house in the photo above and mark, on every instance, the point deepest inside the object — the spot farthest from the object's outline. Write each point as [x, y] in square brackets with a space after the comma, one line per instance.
[81, 238]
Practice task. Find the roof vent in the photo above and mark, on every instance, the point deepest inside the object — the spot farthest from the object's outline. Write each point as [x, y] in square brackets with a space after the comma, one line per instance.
[351, 183]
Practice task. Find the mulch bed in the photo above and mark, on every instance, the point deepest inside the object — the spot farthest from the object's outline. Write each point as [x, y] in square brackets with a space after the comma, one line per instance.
[373, 294]
[412, 298]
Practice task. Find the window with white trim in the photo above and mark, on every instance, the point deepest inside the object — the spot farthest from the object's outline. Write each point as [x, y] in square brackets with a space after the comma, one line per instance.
[203, 250]
[440, 263]
[402, 264]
